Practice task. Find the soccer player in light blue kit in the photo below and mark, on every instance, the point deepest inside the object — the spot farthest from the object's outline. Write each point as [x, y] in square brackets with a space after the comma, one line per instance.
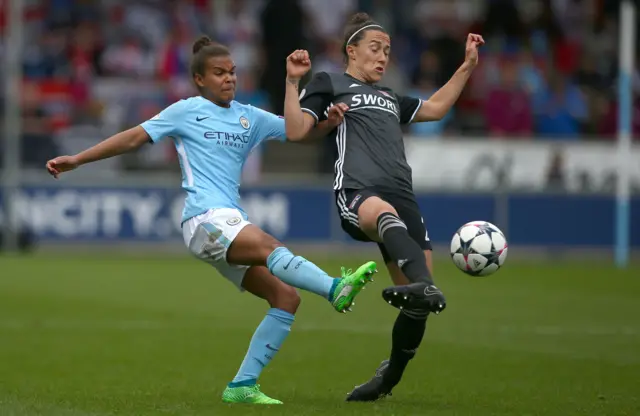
[213, 136]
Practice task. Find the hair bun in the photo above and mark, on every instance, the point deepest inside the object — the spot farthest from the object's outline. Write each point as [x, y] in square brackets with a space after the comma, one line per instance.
[201, 43]
[359, 18]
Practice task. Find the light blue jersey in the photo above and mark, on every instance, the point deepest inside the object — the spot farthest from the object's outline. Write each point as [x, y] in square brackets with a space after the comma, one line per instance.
[213, 143]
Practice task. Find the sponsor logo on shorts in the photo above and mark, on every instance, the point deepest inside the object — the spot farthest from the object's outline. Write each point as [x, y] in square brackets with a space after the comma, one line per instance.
[355, 201]
[234, 221]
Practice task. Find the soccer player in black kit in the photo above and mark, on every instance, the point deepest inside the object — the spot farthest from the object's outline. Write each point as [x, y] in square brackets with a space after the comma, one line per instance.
[373, 184]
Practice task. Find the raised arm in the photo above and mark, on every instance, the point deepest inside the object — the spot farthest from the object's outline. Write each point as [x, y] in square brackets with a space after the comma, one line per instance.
[437, 106]
[306, 111]
[115, 145]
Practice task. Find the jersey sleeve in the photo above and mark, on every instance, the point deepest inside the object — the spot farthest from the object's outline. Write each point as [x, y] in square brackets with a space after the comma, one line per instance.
[165, 123]
[268, 126]
[409, 107]
[316, 96]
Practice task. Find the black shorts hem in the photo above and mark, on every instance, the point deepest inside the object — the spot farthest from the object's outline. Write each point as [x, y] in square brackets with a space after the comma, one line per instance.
[349, 201]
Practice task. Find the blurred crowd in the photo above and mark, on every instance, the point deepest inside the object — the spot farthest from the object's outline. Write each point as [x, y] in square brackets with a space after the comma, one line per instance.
[92, 68]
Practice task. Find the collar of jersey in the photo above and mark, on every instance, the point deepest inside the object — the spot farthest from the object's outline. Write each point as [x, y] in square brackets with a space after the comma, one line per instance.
[231, 104]
[361, 82]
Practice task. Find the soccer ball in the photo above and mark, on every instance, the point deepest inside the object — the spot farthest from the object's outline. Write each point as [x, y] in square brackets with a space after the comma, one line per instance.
[479, 248]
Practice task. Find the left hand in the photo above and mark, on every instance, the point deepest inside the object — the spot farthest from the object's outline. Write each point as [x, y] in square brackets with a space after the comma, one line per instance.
[61, 164]
[335, 115]
[471, 50]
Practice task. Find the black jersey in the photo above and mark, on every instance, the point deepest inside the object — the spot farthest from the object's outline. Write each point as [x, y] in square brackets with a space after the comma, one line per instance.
[370, 146]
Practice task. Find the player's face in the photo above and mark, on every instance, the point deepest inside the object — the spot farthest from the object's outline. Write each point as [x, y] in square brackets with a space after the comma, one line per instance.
[219, 79]
[372, 55]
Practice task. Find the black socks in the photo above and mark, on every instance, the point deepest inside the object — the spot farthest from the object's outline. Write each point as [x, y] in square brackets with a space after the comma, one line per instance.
[403, 249]
[407, 335]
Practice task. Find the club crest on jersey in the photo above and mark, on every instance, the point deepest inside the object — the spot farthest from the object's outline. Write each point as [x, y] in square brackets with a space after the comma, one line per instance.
[244, 122]
[234, 221]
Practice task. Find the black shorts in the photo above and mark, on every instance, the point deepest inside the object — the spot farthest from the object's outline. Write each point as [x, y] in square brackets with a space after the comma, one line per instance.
[349, 201]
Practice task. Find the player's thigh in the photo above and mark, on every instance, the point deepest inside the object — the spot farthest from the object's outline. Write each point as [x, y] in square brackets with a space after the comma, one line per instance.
[261, 283]
[398, 277]
[252, 246]
[363, 207]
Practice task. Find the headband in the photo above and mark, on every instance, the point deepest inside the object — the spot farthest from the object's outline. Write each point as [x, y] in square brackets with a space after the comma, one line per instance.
[360, 30]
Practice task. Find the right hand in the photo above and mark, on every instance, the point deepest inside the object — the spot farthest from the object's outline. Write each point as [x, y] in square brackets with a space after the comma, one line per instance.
[298, 64]
[335, 115]
[61, 164]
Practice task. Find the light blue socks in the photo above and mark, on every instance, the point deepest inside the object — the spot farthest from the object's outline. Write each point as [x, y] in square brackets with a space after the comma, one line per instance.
[298, 272]
[266, 342]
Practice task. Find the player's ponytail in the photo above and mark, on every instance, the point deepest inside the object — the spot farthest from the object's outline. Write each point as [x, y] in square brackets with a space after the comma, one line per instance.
[203, 49]
[356, 27]
[201, 43]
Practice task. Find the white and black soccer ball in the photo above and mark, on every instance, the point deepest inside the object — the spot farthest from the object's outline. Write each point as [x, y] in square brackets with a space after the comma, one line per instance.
[479, 248]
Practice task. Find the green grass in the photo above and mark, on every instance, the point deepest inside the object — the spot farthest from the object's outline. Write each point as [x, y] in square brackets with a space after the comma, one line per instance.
[151, 336]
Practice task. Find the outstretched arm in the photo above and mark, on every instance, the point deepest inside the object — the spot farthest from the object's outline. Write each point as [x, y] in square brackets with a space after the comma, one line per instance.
[436, 107]
[115, 145]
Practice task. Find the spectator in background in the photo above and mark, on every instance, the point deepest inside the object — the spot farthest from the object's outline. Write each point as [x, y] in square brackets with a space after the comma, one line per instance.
[329, 16]
[426, 79]
[47, 58]
[128, 58]
[248, 93]
[331, 59]
[588, 76]
[545, 31]
[236, 27]
[439, 30]
[428, 70]
[36, 143]
[529, 72]
[425, 88]
[85, 51]
[609, 124]
[172, 58]
[560, 109]
[282, 24]
[508, 106]
[394, 77]
[556, 181]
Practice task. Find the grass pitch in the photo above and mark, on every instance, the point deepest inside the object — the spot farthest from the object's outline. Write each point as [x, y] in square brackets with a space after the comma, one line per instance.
[119, 335]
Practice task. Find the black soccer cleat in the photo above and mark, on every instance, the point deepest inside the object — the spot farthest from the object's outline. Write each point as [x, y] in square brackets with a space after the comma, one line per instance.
[374, 389]
[417, 298]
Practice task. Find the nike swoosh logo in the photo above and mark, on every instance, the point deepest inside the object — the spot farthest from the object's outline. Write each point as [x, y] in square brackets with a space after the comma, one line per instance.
[201, 118]
[431, 290]
[354, 85]
[271, 348]
[288, 264]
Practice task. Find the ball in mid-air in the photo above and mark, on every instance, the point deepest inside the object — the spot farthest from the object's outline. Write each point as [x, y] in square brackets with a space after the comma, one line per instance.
[479, 248]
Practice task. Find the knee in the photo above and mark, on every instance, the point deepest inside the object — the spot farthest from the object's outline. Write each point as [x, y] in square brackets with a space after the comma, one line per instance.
[269, 245]
[369, 213]
[285, 297]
